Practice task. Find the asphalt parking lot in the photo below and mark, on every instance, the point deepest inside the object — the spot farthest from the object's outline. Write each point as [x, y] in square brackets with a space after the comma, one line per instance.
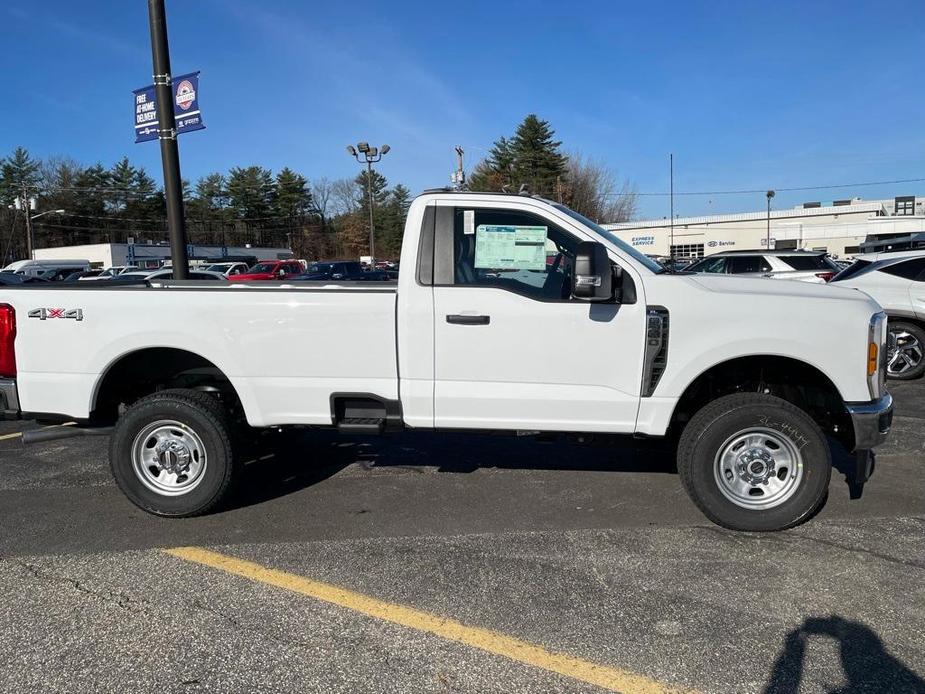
[456, 563]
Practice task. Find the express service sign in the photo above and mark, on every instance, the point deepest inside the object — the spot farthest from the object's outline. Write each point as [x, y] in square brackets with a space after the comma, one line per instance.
[185, 108]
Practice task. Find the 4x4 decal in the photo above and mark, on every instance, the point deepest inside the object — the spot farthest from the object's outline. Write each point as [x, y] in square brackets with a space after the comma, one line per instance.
[49, 313]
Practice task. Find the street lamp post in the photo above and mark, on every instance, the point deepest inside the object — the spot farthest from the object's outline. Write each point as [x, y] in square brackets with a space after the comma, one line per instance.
[767, 242]
[30, 231]
[371, 155]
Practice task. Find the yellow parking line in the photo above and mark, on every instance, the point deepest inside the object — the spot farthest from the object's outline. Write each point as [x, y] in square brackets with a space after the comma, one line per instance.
[613, 679]
[7, 437]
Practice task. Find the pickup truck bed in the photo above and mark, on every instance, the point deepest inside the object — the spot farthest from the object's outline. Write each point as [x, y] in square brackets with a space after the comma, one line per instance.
[285, 348]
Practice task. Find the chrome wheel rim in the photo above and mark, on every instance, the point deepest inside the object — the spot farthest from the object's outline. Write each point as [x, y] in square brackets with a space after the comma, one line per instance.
[906, 353]
[758, 468]
[169, 458]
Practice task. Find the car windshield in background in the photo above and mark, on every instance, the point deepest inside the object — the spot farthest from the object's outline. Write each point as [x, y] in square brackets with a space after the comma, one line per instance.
[857, 268]
[809, 262]
[262, 267]
[641, 258]
[316, 268]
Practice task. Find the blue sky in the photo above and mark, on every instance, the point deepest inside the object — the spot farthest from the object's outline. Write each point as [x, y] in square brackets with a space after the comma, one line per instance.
[747, 95]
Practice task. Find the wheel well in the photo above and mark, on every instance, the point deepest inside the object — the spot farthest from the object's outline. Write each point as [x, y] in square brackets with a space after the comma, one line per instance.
[893, 318]
[790, 379]
[147, 371]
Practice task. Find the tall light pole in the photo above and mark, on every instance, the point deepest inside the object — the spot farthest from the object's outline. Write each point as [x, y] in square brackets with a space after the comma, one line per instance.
[30, 230]
[167, 134]
[371, 155]
[767, 242]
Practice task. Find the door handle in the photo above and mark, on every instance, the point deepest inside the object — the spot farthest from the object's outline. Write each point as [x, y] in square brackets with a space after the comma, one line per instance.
[463, 319]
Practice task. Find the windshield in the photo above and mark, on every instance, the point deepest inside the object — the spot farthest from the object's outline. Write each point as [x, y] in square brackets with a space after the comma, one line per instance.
[316, 268]
[641, 258]
[262, 267]
[222, 267]
[857, 268]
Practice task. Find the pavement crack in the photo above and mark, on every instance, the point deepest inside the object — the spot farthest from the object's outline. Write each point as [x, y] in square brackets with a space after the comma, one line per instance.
[121, 600]
[792, 538]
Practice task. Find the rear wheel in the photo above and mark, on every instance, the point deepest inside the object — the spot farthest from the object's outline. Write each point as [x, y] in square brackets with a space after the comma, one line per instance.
[171, 453]
[907, 355]
[754, 462]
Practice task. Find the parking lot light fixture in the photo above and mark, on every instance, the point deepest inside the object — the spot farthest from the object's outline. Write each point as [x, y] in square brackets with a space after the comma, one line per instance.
[371, 155]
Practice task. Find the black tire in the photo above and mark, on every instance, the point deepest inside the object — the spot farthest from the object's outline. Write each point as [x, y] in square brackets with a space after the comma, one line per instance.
[710, 431]
[905, 333]
[196, 412]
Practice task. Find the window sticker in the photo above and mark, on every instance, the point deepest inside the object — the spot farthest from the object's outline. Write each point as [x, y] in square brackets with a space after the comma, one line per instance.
[469, 221]
[504, 247]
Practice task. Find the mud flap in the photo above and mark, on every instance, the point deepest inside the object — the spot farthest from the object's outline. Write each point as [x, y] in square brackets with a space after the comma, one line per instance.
[864, 463]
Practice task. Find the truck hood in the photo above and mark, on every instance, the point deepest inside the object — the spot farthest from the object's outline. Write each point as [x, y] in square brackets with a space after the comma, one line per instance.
[764, 287]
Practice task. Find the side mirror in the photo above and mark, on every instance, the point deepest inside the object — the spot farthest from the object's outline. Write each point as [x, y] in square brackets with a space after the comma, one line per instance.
[281, 273]
[592, 277]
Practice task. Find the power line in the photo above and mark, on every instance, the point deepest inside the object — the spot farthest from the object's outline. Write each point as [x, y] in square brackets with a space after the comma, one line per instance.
[779, 189]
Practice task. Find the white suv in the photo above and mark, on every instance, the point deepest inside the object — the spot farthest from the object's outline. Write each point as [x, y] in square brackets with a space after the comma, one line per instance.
[805, 266]
[895, 280]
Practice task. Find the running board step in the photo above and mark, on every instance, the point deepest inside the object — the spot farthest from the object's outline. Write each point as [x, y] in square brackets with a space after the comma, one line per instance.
[361, 425]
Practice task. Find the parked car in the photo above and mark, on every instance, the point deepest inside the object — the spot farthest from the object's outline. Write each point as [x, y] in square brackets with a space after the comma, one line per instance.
[805, 266]
[271, 270]
[8, 279]
[896, 281]
[333, 270]
[51, 270]
[87, 275]
[167, 274]
[228, 269]
[116, 270]
[481, 333]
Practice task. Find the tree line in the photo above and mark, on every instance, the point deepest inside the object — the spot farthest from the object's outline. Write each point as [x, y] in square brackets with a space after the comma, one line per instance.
[317, 219]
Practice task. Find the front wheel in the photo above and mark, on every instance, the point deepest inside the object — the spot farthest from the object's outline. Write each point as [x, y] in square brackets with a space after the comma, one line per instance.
[171, 453]
[907, 354]
[754, 462]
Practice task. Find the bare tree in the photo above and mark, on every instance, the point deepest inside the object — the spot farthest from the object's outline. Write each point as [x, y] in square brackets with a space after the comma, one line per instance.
[346, 196]
[322, 192]
[593, 189]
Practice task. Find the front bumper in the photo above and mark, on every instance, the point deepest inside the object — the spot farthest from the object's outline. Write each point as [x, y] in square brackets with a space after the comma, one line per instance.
[9, 399]
[871, 420]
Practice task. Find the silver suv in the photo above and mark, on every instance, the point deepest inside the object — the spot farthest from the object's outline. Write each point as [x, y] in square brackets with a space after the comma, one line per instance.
[896, 281]
[804, 266]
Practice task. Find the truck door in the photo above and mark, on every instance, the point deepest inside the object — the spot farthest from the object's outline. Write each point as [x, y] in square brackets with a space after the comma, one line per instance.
[512, 349]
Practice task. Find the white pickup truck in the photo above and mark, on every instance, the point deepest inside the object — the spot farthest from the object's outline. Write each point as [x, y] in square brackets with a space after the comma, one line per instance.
[511, 313]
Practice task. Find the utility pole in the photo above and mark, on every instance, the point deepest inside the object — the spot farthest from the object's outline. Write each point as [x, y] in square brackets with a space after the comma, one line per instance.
[671, 208]
[767, 241]
[167, 135]
[30, 238]
[459, 176]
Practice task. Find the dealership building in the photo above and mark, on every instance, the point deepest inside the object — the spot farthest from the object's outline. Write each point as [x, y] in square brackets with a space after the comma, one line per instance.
[154, 255]
[842, 228]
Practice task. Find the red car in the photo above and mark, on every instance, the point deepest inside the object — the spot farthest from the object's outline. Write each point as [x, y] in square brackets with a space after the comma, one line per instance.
[271, 270]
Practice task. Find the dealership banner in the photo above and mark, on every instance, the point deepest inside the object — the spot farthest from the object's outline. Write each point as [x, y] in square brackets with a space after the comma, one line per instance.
[185, 108]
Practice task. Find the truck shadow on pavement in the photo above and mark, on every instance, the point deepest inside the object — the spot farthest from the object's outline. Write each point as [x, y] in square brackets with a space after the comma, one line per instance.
[301, 460]
[868, 667]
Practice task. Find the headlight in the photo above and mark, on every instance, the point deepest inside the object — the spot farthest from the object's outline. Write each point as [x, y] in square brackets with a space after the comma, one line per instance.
[876, 355]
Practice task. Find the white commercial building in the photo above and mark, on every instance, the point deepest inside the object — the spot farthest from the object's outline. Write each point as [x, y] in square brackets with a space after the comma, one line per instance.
[154, 255]
[842, 228]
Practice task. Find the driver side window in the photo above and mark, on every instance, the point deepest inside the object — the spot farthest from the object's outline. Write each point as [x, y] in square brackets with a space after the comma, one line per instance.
[517, 251]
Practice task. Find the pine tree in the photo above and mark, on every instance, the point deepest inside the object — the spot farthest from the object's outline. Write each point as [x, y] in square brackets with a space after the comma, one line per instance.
[536, 157]
[19, 172]
[532, 157]
[293, 199]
